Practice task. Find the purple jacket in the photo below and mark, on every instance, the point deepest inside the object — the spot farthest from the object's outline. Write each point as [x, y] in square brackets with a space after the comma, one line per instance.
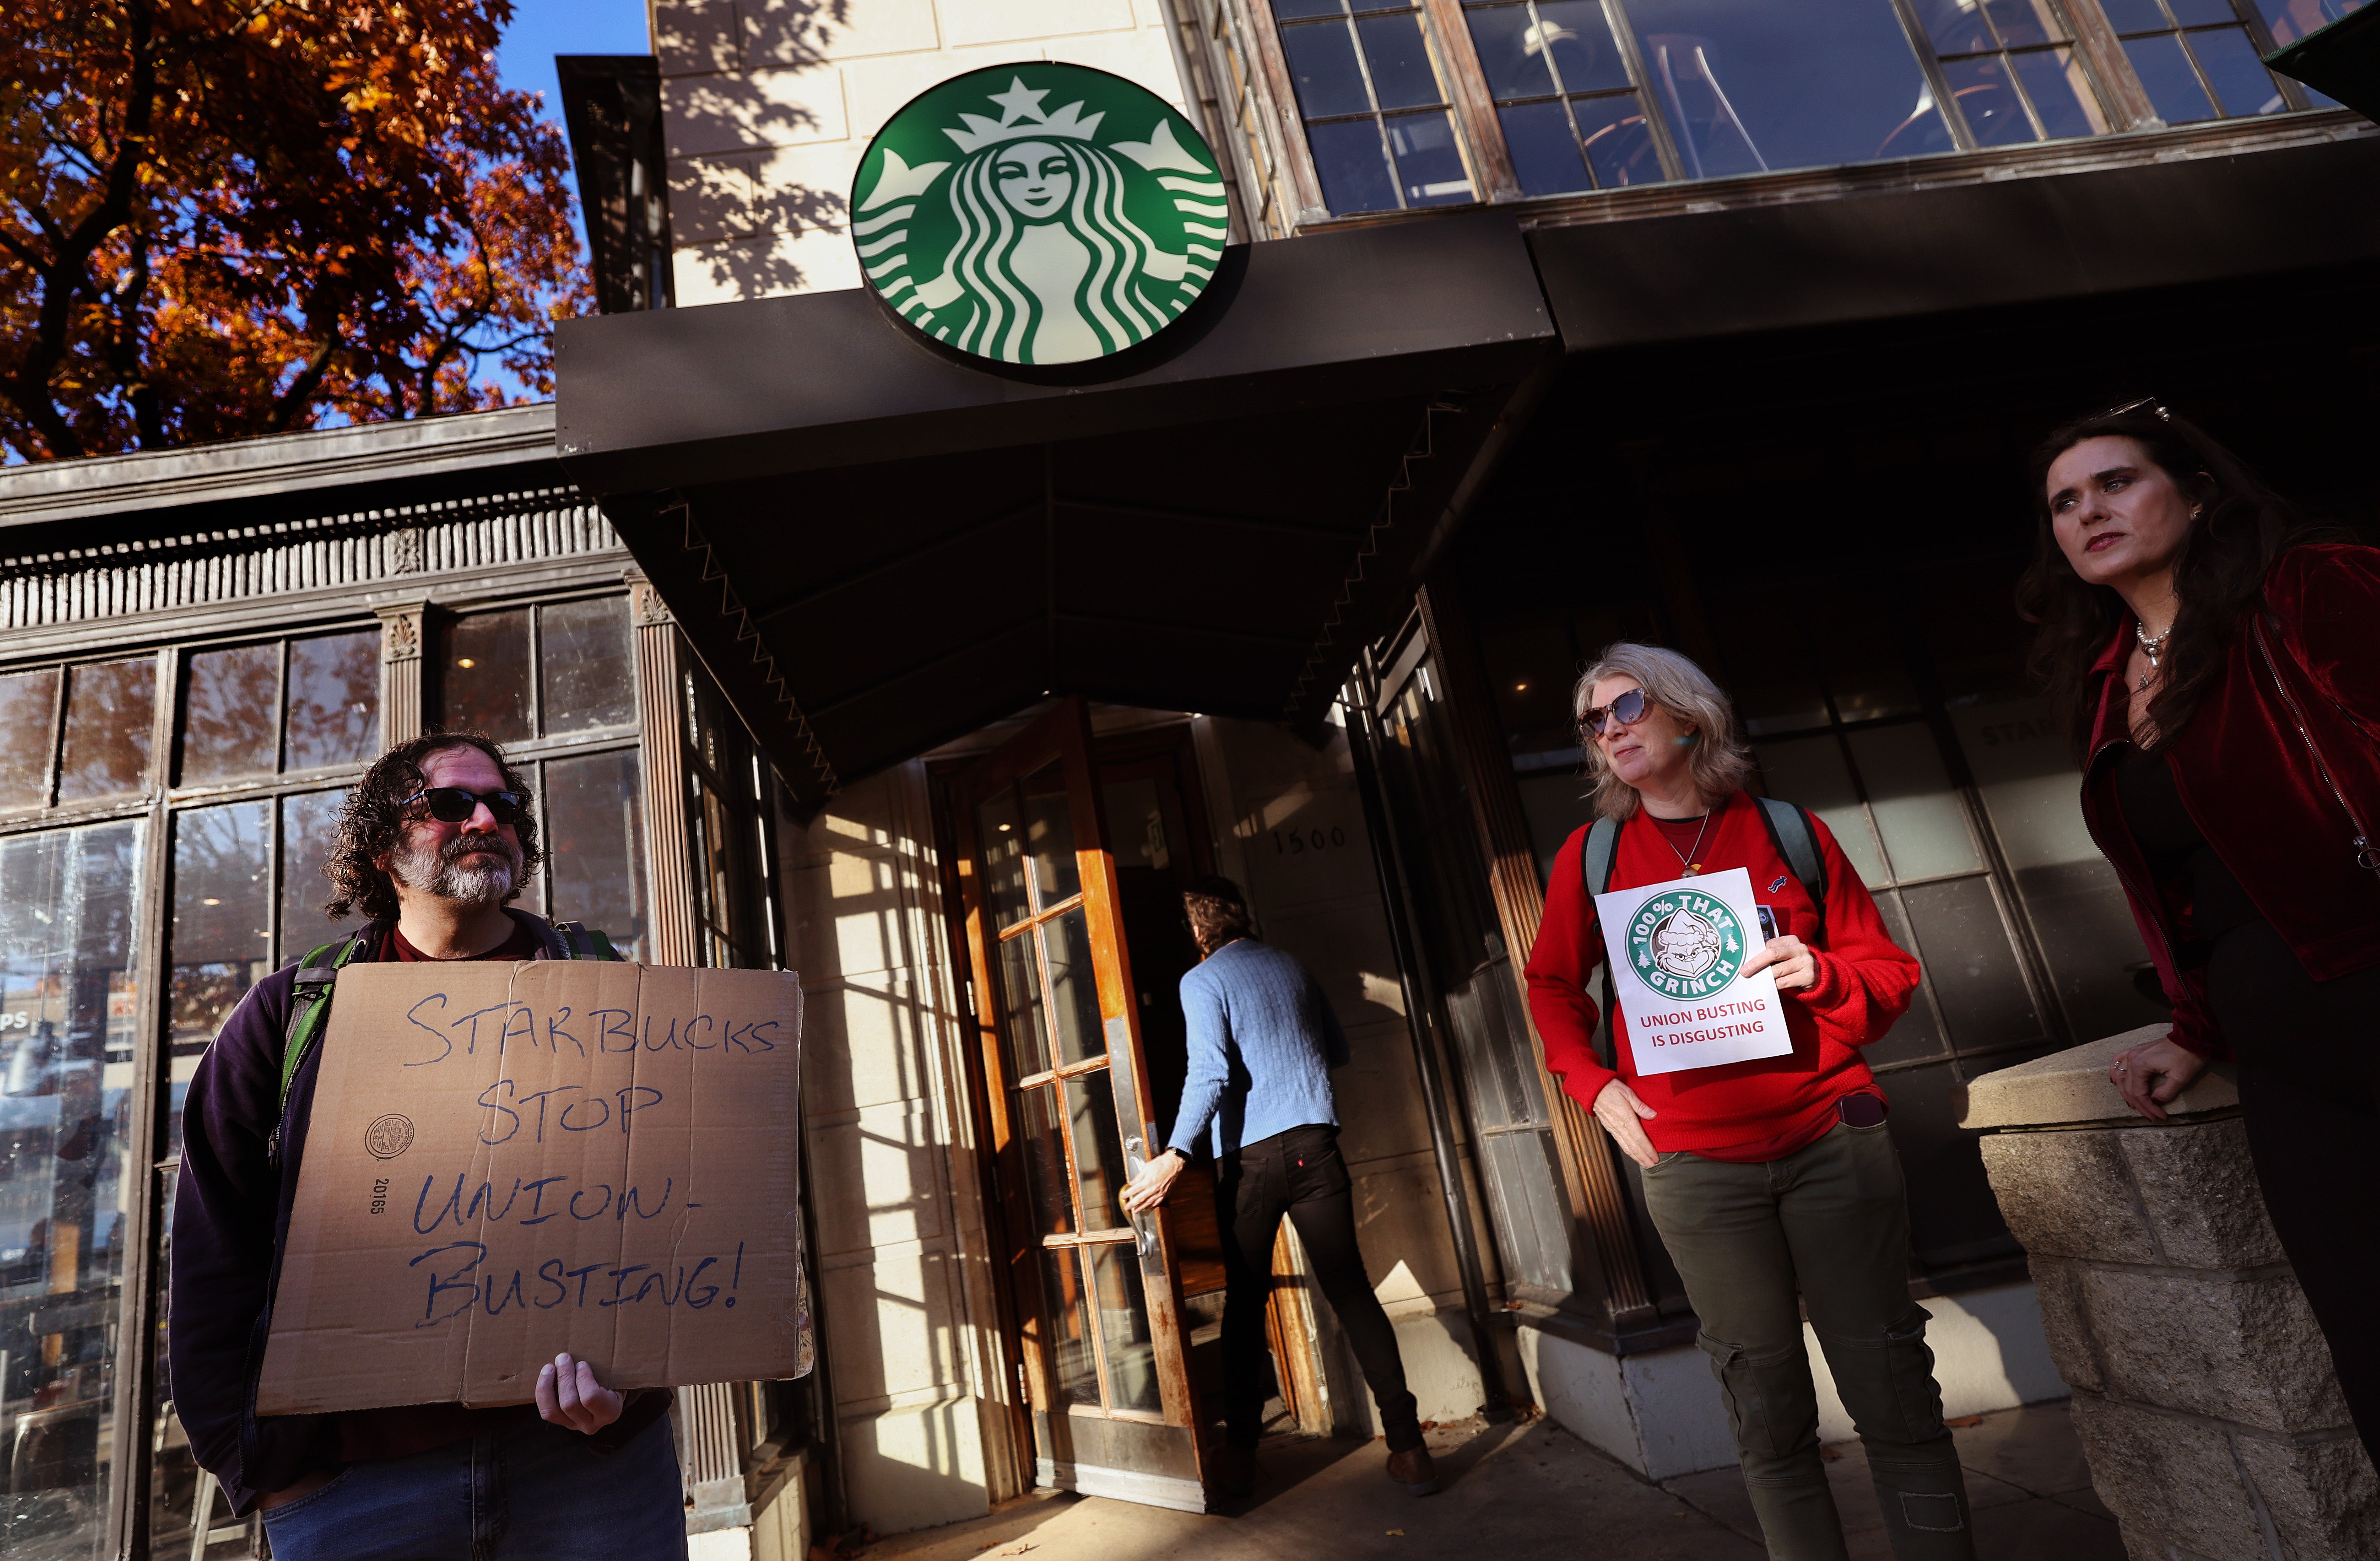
[231, 1217]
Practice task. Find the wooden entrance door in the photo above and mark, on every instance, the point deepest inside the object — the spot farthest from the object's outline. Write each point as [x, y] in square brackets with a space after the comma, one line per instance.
[1095, 1293]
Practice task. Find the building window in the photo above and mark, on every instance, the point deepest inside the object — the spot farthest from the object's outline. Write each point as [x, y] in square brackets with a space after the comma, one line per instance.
[2196, 59]
[2011, 69]
[728, 812]
[1374, 106]
[1569, 109]
[547, 670]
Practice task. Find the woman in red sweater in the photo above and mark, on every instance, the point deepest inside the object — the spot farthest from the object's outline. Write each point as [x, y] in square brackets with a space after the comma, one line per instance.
[1773, 1182]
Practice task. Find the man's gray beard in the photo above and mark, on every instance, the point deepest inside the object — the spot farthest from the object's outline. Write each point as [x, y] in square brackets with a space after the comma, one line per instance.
[477, 884]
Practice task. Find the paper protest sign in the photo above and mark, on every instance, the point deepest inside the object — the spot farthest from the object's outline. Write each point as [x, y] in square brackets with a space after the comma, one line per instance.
[505, 1161]
[1678, 952]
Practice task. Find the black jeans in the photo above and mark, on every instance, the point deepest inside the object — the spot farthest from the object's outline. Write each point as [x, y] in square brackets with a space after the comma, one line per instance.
[1299, 1173]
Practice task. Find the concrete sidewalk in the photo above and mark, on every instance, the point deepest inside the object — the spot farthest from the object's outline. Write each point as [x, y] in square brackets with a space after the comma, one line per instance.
[1530, 1489]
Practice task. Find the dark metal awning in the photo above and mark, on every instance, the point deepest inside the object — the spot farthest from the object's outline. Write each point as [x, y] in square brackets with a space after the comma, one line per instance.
[875, 546]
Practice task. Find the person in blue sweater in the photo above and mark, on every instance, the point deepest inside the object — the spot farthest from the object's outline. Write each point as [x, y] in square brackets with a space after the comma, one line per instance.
[1263, 1041]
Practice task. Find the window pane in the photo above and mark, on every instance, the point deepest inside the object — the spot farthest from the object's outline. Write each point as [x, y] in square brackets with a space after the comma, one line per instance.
[2135, 16]
[67, 991]
[1043, 1145]
[223, 929]
[1290, 10]
[2031, 21]
[2061, 93]
[1322, 57]
[1123, 1328]
[1026, 1027]
[334, 701]
[2292, 20]
[229, 713]
[1578, 36]
[2202, 13]
[2239, 77]
[1098, 1149]
[1000, 839]
[595, 845]
[308, 830]
[1354, 172]
[1955, 27]
[109, 711]
[2172, 86]
[1545, 152]
[1619, 145]
[1071, 1365]
[483, 674]
[28, 707]
[1510, 51]
[1401, 77]
[1988, 99]
[1428, 165]
[1074, 991]
[1749, 87]
[590, 671]
[1050, 837]
[1909, 791]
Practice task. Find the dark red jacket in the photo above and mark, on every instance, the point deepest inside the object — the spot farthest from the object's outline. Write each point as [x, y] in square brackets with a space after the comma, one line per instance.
[2250, 784]
[1766, 1108]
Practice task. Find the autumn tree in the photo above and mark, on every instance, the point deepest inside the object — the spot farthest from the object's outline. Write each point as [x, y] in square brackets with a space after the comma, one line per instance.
[232, 217]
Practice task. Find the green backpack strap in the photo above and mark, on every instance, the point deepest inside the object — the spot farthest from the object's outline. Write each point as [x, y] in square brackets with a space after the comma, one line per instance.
[580, 941]
[1594, 860]
[309, 1010]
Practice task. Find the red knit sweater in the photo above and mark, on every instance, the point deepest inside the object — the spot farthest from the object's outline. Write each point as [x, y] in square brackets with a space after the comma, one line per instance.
[1766, 1108]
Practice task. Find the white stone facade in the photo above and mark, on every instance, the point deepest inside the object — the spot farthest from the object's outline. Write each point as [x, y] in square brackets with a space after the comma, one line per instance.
[768, 105]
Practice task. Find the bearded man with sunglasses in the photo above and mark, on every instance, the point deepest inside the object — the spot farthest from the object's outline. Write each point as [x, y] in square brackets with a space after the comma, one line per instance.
[434, 845]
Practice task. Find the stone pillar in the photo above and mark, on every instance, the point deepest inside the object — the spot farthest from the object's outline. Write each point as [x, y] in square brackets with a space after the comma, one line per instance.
[403, 628]
[2202, 1389]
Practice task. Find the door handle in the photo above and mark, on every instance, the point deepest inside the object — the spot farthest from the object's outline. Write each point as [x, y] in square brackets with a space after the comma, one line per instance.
[1144, 1225]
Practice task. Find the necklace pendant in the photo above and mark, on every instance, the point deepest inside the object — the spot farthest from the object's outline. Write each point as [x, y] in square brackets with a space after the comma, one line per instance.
[1693, 869]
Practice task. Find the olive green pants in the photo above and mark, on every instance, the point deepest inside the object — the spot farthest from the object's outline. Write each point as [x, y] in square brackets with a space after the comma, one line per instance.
[1829, 1224]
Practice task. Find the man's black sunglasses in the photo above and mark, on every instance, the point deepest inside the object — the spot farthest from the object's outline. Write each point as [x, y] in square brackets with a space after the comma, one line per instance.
[453, 805]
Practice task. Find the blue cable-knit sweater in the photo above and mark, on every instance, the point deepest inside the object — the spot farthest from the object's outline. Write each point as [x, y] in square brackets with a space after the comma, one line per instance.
[1263, 1041]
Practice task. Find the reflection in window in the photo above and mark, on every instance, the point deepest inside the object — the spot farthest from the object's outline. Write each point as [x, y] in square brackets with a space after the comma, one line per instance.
[595, 847]
[110, 708]
[2012, 70]
[2195, 58]
[223, 929]
[229, 709]
[310, 824]
[1571, 117]
[27, 713]
[2286, 21]
[68, 992]
[1748, 89]
[483, 674]
[334, 701]
[735, 869]
[584, 658]
[1374, 111]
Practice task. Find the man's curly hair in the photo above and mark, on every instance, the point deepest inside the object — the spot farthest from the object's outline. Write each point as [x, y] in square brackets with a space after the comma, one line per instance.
[372, 821]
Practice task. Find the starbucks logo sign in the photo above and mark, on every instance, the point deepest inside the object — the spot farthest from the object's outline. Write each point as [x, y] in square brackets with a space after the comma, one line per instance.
[1038, 213]
[1684, 944]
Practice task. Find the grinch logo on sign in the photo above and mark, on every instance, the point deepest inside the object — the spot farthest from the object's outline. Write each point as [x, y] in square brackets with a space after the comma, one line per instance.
[1038, 213]
[1686, 945]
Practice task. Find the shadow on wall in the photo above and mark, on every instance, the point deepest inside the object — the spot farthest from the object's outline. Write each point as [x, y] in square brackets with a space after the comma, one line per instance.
[726, 110]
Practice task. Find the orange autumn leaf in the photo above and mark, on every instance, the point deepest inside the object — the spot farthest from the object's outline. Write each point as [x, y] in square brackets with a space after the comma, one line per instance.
[229, 217]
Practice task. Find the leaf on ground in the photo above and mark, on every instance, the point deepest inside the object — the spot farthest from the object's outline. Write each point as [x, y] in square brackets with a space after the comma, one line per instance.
[1962, 1421]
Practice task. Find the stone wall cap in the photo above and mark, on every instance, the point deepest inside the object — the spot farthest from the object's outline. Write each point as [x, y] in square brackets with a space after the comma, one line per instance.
[2071, 1086]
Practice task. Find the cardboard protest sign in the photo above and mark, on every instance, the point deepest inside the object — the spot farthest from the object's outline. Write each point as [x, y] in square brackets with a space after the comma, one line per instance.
[505, 1161]
[1677, 952]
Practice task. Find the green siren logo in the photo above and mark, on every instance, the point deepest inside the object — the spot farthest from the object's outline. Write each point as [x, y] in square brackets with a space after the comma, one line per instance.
[1078, 216]
[1685, 944]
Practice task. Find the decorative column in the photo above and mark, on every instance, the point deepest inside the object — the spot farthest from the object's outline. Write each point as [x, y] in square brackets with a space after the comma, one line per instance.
[2204, 1393]
[403, 628]
[660, 701]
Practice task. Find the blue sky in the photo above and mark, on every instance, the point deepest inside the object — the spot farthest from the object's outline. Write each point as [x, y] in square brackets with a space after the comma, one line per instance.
[542, 29]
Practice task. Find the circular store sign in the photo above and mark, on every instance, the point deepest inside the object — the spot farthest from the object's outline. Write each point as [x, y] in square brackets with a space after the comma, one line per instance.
[1038, 213]
[1684, 944]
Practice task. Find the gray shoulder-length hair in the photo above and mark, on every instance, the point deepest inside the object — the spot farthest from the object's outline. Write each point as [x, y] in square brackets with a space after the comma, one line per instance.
[1721, 761]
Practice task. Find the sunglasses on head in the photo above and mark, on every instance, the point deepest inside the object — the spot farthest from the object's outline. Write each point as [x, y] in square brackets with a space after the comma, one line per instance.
[1626, 708]
[453, 805]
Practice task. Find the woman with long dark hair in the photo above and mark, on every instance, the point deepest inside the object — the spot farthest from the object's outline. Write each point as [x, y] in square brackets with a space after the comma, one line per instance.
[2217, 663]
